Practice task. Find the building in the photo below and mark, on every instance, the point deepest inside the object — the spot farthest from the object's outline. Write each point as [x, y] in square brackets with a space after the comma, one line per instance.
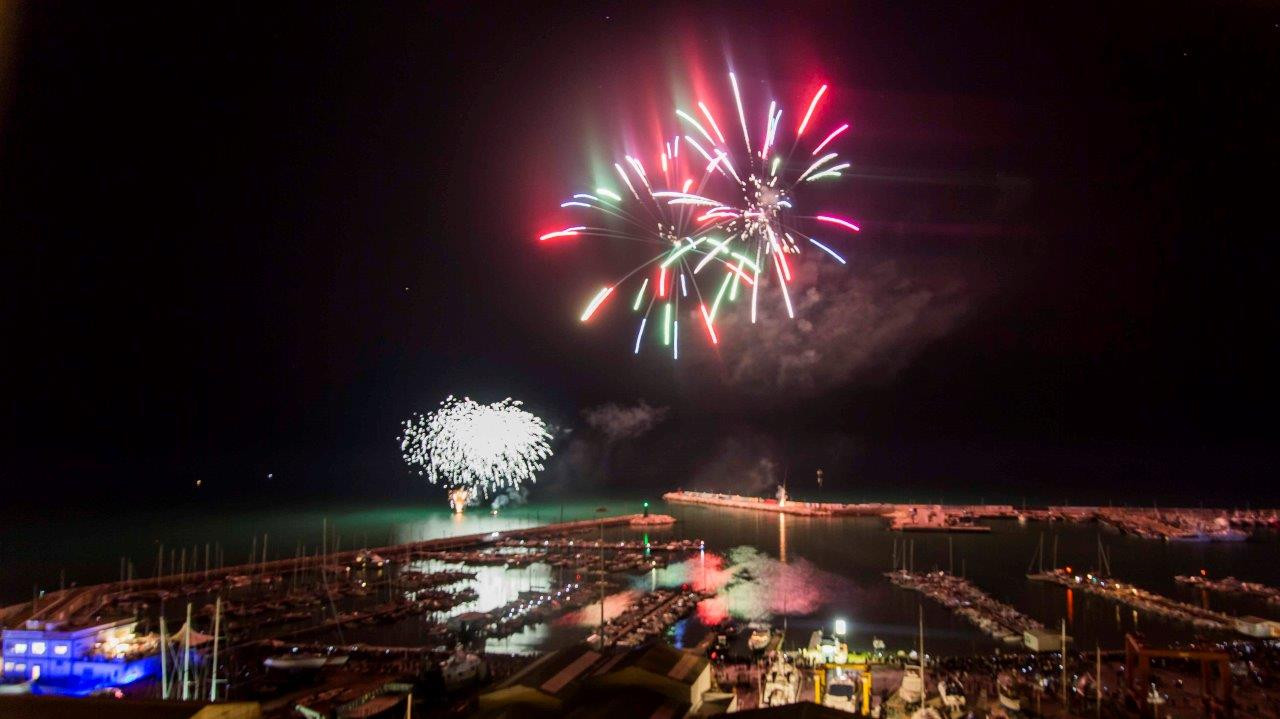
[77, 659]
[681, 677]
[33, 707]
[650, 681]
[1043, 640]
[799, 710]
[545, 685]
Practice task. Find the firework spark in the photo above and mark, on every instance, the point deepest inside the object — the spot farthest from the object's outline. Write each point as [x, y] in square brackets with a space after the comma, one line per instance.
[476, 450]
[736, 216]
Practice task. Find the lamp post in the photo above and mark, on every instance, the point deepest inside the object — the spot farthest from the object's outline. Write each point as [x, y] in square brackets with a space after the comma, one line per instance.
[601, 512]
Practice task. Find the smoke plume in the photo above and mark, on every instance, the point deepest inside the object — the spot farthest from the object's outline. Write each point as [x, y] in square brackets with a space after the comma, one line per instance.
[618, 422]
[853, 324]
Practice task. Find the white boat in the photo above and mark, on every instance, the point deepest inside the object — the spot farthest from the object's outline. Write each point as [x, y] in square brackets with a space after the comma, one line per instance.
[781, 683]
[759, 638]
[293, 662]
[369, 557]
[1008, 689]
[826, 649]
[1228, 534]
[461, 669]
[912, 689]
[1154, 697]
[952, 694]
[842, 691]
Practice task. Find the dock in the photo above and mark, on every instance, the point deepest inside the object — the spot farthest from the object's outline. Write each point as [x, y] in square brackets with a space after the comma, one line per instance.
[1001, 621]
[1231, 585]
[1141, 599]
[84, 600]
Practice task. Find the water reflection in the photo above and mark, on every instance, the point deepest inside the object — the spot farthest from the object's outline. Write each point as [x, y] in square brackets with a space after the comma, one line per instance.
[752, 585]
[436, 525]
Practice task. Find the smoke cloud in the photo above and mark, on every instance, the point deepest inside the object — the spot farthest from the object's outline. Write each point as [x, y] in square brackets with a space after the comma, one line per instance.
[618, 422]
[853, 324]
[510, 498]
[743, 465]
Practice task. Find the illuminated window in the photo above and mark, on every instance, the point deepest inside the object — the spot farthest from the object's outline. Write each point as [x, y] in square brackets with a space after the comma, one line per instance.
[60, 649]
[20, 667]
[8, 667]
[20, 648]
[38, 647]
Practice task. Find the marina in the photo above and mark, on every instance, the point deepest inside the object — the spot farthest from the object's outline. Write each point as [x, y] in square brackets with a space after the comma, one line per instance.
[639, 361]
[404, 607]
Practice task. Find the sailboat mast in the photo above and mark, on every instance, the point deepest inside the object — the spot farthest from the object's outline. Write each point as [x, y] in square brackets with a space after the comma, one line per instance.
[186, 655]
[164, 656]
[924, 685]
[1097, 680]
[217, 625]
[1066, 697]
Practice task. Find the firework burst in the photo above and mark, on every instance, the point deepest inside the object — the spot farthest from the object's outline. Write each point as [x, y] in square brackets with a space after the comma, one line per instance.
[724, 234]
[476, 450]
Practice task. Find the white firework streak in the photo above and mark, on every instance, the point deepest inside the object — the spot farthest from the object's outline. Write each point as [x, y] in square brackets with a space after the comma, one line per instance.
[485, 448]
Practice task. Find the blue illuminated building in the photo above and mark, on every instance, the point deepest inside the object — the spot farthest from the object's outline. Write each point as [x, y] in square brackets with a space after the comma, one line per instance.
[61, 659]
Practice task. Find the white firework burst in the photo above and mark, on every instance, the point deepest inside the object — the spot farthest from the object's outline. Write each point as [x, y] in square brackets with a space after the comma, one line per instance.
[483, 448]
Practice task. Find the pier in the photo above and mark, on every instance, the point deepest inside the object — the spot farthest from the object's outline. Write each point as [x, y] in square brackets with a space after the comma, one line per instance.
[1231, 585]
[997, 619]
[828, 509]
[1141, 599]
[1170, 524]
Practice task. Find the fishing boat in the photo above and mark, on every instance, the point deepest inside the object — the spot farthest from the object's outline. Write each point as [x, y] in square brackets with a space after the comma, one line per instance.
[842, 691]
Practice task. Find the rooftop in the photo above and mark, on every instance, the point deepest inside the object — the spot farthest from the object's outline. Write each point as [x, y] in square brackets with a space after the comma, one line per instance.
[45, 707]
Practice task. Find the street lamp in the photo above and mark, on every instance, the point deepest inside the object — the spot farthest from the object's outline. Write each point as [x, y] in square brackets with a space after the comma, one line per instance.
[842, 627]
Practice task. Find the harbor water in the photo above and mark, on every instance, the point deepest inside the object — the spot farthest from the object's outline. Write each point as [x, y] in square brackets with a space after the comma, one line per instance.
[801, 572]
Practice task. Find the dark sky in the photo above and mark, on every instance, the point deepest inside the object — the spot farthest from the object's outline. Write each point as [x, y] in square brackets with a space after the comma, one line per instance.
[252, 238]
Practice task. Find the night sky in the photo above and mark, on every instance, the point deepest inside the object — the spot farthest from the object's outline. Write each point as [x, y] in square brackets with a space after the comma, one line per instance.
[250, 239]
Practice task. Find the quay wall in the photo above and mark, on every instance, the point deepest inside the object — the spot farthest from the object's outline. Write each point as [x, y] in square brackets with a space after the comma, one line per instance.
[826, 509]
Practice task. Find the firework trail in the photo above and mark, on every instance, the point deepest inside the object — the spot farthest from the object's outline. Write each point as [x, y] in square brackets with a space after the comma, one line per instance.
[727, 232]
[481, 449]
